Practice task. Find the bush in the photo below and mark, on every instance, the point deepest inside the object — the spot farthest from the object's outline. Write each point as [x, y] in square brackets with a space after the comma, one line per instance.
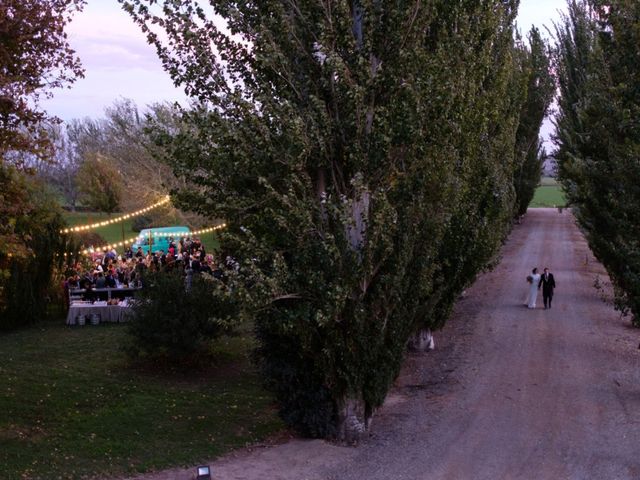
[31, 247]
[173, 322]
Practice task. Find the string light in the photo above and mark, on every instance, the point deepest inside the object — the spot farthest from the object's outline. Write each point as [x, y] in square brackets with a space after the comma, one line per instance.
[196, 232]
[91, 226]
[210, 229]
[132, 240]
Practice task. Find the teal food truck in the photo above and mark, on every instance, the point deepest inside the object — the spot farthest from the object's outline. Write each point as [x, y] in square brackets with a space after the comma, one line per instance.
[156, 239]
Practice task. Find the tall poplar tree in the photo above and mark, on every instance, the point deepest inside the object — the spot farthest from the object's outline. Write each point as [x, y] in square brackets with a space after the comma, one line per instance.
[598, 134]
[530, 153]
[357, 150]
[492, 80]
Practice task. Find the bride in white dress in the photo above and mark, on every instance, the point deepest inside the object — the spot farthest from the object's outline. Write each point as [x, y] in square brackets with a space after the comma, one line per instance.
[534, 280]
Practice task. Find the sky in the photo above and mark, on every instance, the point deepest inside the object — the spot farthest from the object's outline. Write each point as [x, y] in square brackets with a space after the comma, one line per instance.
[119, 63]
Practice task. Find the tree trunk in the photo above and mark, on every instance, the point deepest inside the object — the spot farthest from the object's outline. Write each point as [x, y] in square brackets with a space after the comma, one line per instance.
[356, 231]
[422, 341]
[354, 420]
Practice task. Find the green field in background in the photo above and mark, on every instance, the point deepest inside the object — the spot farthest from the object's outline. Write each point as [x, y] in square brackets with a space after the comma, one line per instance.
[548, 196]
[111, 233]
[548, 182]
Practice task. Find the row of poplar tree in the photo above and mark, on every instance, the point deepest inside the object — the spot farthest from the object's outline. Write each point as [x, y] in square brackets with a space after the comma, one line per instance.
[598, 134]
[369, 158]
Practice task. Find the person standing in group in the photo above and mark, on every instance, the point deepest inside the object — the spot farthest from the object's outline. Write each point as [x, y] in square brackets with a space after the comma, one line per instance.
[548, 284]
[534, 280]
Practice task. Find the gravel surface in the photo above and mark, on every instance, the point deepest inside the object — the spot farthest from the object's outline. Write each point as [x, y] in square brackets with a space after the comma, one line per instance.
[509, 393]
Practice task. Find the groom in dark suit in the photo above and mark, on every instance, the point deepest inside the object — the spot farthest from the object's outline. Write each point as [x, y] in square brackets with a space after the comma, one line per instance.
[548, 283]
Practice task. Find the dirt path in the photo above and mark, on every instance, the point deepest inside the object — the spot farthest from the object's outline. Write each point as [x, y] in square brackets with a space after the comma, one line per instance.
[509, 393]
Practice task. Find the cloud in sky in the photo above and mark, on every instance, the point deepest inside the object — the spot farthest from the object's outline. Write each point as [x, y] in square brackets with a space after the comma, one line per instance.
[541, 13]
[106, 38]
[120, 63]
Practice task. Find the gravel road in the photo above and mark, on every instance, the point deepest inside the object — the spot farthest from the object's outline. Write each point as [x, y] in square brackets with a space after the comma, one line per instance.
[509, 393]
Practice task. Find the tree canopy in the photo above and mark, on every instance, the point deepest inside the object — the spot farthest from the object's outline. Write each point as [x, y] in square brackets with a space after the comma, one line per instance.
[31, 246]
[363, 155]
[100, 184]
[530, 152]
[35, 57]
[598, 134]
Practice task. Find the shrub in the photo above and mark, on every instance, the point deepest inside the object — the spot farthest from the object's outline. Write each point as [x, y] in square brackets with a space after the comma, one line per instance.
[174, 322]
[31, 247]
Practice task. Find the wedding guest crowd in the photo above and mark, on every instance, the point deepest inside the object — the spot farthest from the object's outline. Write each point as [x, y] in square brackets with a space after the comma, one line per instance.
[110, 270]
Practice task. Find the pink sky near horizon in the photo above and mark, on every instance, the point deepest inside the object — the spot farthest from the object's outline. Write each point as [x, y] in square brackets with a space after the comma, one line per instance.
[119, 63]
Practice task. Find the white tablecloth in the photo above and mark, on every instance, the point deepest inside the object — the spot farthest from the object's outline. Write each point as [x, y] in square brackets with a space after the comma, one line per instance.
[108, 313]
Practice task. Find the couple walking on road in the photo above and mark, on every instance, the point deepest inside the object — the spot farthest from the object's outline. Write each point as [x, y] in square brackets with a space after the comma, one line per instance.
[537, 281]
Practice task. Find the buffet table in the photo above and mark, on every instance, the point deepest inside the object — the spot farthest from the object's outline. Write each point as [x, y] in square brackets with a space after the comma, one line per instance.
[104, 293]
[81, 313]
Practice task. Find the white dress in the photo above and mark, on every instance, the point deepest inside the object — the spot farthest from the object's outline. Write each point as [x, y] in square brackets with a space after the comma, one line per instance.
[533, 291]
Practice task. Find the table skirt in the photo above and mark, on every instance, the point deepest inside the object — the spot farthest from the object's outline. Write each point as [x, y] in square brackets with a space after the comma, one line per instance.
[107, 313]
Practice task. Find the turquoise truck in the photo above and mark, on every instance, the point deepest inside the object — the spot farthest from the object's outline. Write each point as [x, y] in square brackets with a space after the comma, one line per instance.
[156, 239]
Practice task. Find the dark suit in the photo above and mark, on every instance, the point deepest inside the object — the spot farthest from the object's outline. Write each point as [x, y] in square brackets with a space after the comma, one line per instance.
[548, 283]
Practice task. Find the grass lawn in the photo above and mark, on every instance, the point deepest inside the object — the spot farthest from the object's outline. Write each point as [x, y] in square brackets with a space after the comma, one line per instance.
[72, 407]
[113, 233]
[548, 182]
[548, 196]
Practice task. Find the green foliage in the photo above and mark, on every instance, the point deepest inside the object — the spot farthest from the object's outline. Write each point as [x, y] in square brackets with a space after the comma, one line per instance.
[35, 57]
[122, 140]
[32, 247]
[598, 135]
[530, 154]
[173, 321]
[120, 137]
[363, 157]
[100, 184]
[492, 75]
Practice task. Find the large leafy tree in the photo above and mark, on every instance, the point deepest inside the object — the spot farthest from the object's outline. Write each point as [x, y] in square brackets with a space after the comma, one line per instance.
[530, 154]
[598, 133]
[492, 78]
[67, 161]
[124, 139]
[363, 155]
[35, 58]
[30, 247]
[100, 184]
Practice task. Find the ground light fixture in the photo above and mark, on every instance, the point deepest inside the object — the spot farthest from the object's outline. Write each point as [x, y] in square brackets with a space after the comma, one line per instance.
[204, 473]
